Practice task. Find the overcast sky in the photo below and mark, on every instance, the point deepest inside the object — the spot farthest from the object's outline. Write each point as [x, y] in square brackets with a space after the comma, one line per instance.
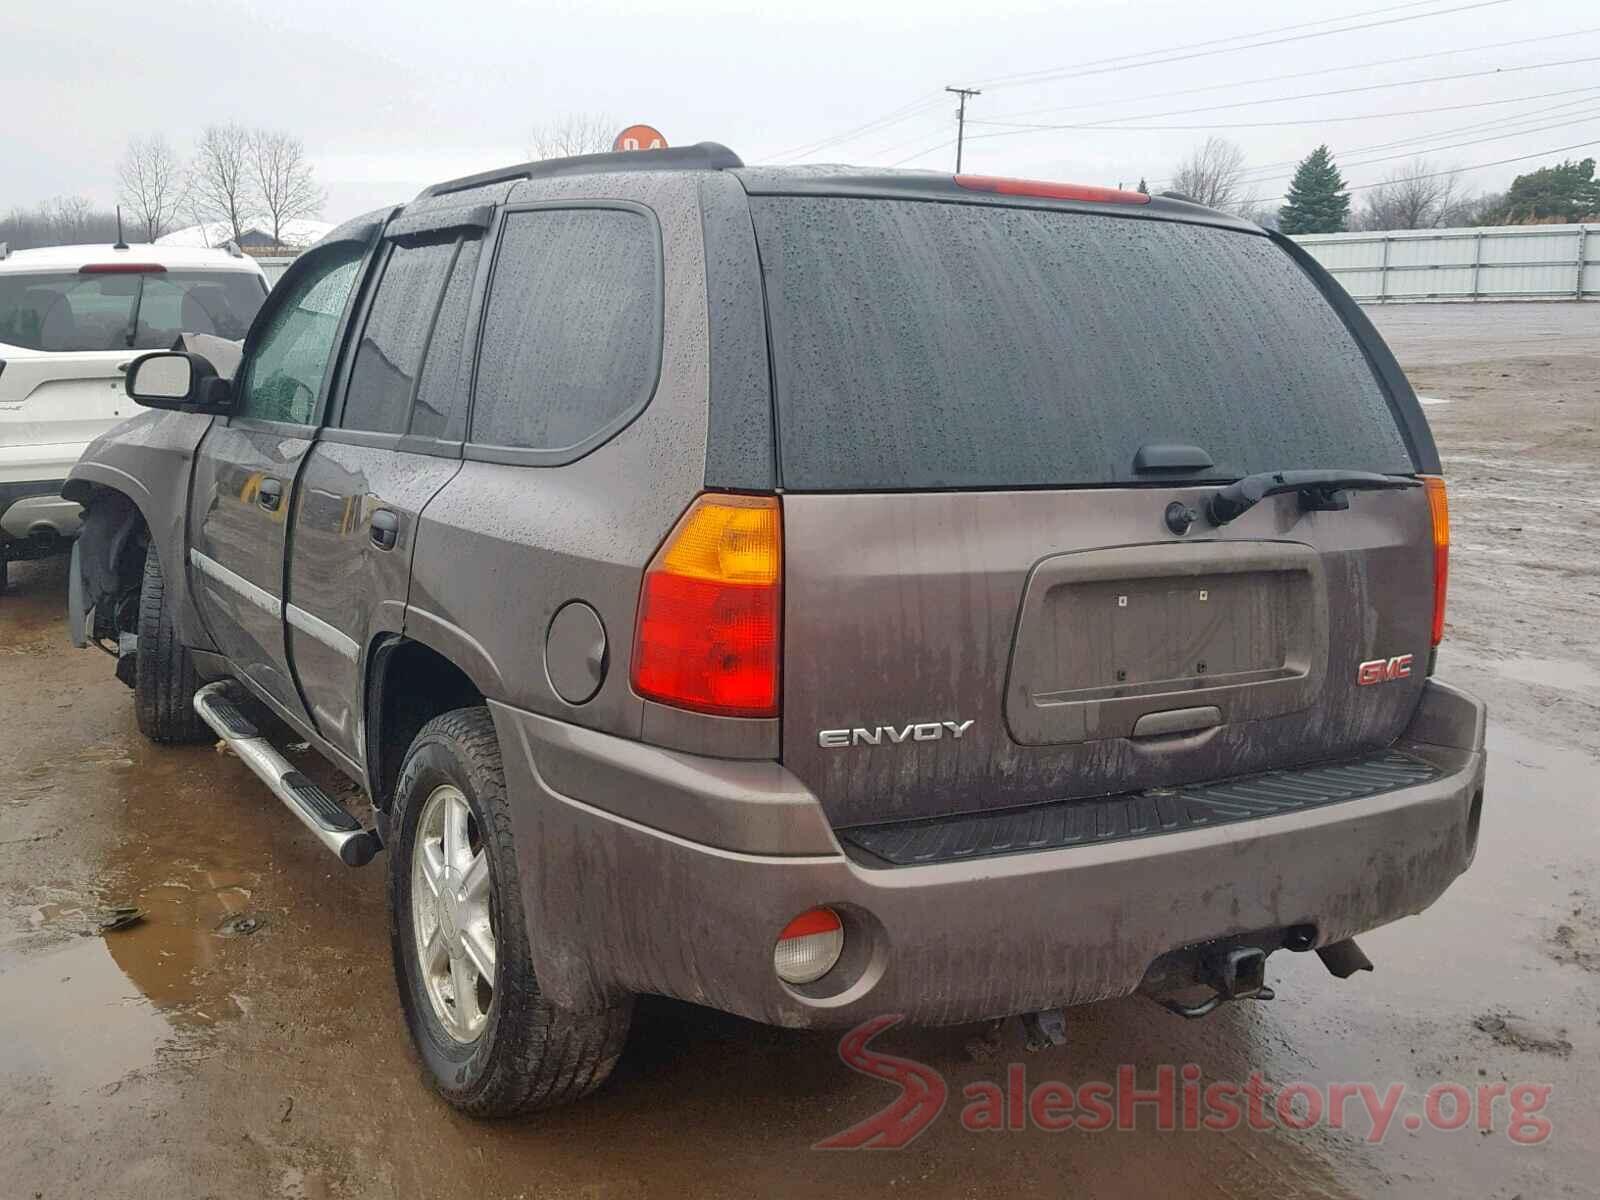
[390, 96]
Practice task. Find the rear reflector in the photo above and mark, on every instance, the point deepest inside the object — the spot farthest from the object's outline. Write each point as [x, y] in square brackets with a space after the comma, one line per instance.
[1050, 191]
[1439, 507]
[122, 268]
[809, 946]
[710, 609]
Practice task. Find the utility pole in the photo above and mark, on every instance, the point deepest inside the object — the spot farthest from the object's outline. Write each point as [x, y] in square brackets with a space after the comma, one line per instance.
[961, 119]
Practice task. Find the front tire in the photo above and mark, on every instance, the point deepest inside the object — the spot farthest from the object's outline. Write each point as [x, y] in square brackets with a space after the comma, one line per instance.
[493, 1046]
[165, 682]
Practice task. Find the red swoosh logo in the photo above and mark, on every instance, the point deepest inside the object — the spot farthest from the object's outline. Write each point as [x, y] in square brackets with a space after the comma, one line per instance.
[921, 1099]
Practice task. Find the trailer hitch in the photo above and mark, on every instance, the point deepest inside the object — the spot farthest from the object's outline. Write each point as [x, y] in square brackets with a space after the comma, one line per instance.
[1238, 973]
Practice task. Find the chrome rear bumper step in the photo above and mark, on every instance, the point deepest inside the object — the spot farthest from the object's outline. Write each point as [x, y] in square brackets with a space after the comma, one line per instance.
[319, 812]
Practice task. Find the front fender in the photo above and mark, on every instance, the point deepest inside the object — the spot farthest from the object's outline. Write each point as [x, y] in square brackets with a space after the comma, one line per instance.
[149, 458]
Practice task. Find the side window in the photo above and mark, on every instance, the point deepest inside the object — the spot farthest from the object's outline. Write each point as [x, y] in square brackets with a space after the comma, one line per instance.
[440, 409]
[571, 337]
[396, 337]
[284, 375]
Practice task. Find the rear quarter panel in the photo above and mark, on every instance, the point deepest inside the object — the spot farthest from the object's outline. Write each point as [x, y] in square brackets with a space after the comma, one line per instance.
[501, 548]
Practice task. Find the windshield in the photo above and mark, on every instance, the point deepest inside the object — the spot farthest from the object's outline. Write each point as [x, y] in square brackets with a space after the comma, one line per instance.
[62, 310]
[921, 345]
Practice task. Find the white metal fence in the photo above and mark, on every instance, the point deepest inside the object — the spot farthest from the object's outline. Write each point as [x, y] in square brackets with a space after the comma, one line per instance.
[1502, 262]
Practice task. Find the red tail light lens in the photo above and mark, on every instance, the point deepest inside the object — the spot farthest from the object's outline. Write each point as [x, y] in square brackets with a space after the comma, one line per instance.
[122, 268]
[1439, 506]
[710, 610]
[1050, 191]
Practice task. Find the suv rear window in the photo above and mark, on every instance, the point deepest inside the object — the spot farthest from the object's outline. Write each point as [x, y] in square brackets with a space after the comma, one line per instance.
[69, 311]
[927, 345]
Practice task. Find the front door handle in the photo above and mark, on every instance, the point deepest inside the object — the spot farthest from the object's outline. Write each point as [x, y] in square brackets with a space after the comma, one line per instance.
[269, 494]
[385, 529]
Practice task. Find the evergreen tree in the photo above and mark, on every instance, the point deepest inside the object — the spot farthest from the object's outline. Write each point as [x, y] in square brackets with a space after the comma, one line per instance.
[1567, 192]
[1318, 201]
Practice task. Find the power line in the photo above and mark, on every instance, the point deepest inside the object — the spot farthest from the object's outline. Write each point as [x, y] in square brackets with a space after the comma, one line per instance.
[1367, 162]
[891, 118]
[910, 109]
[938, 146]
[1499, 162]
[1078, 70]
[1113, 127]
[1006, 80]
[1371, 87]
[1361, 66]
[1265, 171]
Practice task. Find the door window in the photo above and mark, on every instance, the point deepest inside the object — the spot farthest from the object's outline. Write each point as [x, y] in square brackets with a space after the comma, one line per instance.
[395, 337]
[440, 408]
[283, 377]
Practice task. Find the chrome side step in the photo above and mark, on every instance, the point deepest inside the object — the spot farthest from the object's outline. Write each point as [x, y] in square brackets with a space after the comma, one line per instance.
[319, 812]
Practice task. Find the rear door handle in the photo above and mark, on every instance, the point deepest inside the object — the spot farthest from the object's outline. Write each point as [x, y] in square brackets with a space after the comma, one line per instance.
[269, 494]
[385, 529]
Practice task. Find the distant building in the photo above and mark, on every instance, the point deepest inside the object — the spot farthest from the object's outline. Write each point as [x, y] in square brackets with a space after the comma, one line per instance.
[297, 235]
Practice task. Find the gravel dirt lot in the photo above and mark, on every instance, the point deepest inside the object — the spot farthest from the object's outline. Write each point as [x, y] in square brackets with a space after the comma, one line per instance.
[244, 1039]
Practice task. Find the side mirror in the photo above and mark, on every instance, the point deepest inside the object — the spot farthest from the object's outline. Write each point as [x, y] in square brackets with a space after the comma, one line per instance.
[178, 380]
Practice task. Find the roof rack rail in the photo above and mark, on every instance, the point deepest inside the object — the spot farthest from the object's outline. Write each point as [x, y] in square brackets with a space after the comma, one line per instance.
[702, 156]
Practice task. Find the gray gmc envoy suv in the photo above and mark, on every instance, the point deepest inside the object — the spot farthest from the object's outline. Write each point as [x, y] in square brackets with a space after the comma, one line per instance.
[810, 592]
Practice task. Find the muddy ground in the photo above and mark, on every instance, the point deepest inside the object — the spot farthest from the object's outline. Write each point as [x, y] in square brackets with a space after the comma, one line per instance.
[244, 1039]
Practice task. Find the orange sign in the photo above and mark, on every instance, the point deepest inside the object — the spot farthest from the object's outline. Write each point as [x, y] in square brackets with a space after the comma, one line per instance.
[640, 137]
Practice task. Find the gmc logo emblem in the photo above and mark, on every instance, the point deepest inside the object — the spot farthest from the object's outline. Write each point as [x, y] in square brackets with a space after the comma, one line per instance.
[1383, 670]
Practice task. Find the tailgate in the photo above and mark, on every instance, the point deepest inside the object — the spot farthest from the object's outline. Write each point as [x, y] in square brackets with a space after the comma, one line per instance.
[61, 399]
[983, 414]
[1078, 655]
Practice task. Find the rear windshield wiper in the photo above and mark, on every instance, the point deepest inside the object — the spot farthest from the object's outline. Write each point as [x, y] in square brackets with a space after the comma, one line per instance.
[1320, 491]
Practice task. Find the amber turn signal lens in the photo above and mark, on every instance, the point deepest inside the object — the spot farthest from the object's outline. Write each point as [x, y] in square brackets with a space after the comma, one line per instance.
[710, 610]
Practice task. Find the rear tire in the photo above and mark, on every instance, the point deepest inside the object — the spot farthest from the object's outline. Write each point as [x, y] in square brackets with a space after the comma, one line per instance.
[165, 682]
[5, 573]
[492, 1047]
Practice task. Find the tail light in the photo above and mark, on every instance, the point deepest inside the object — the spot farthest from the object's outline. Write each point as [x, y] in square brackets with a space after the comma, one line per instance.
[1439, 507]
[710, 610]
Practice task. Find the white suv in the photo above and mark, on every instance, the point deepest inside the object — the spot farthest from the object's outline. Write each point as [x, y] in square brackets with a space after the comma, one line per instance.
[71, 320]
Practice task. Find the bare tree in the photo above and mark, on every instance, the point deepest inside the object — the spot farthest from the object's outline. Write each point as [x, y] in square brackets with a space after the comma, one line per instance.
[575, 133]
[220, 182]
[153, 184]
[64, 219]
[284, 185]
[68, 218]
[1418, 195]
[1213, 175]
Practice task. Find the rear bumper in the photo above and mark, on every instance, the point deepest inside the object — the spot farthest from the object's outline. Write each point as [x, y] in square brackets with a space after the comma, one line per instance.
[682, 887]
[34, 509]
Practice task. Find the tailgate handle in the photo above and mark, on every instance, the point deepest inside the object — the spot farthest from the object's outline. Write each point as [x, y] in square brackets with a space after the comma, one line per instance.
[1177, 720]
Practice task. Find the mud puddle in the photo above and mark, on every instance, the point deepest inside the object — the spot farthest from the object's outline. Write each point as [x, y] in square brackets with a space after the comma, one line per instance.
[75, 1022]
